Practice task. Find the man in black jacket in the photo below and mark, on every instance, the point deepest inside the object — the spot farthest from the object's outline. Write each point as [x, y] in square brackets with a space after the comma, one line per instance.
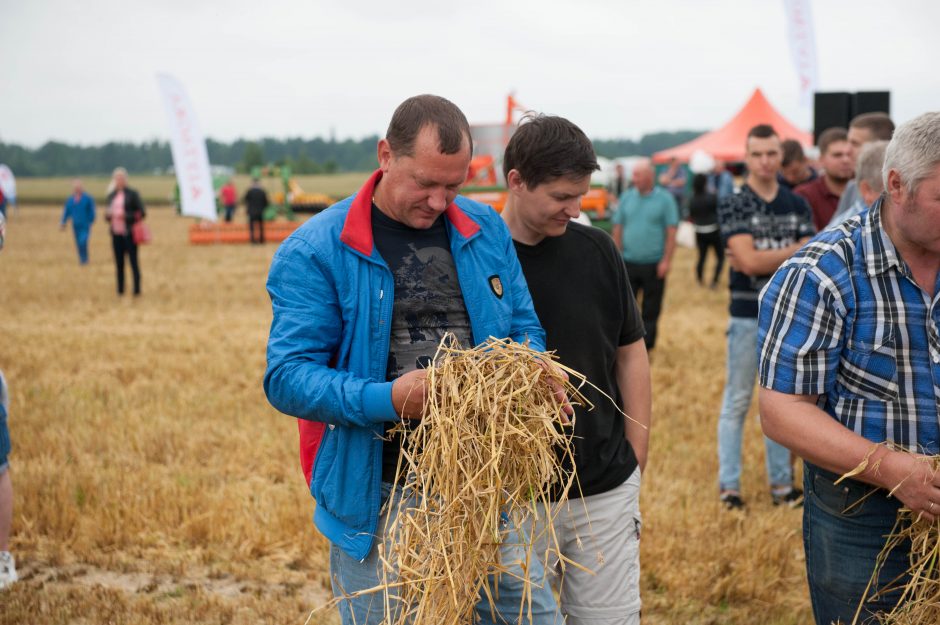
[256, 200]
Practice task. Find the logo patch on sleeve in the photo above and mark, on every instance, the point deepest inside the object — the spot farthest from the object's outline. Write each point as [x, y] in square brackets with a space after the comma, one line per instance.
[496, 285]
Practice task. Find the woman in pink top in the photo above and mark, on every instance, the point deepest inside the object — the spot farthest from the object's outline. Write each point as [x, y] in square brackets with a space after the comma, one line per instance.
[125, 208]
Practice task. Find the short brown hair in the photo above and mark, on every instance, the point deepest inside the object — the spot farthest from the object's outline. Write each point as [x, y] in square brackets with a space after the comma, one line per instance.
[761, 131]
[830, 136]
[419, 111]
[878, 124]
[546, 147]
[792, 152]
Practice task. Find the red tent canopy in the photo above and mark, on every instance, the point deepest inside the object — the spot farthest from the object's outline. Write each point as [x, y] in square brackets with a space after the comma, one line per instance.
[727, 142]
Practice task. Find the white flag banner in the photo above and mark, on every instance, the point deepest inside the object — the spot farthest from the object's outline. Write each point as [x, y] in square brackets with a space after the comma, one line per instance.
[190, 158]
[7, 184]
[802, 47]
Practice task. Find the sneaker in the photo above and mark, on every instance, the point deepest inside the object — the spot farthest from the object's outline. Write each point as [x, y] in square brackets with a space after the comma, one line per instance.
[792, 498]
[732, 500]
[7, 569]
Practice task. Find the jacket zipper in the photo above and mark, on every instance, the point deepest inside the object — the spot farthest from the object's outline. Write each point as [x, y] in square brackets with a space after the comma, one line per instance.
[383, 362]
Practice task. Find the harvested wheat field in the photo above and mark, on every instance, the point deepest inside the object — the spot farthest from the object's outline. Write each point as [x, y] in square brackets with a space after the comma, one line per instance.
[154, 483]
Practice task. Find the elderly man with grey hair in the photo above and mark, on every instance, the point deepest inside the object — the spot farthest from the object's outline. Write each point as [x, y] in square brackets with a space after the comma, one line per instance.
[868, 177]
[849, 370]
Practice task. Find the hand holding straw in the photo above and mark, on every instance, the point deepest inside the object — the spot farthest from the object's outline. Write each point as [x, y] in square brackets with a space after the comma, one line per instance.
[409, 394]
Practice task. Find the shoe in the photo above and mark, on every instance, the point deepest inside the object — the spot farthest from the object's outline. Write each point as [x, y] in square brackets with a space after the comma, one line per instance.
[7, 569]
[732, 500]
[793, 498]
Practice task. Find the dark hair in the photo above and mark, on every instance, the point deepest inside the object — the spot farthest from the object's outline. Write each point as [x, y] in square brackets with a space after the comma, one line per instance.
[699, 182]
[761, 131]
[792, 152]
[878, 124]
[545, 147]
[830, 136]
[419, 111]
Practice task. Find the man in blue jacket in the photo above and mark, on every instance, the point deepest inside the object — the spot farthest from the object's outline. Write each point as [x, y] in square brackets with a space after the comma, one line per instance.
[80, 208]
[362, 295]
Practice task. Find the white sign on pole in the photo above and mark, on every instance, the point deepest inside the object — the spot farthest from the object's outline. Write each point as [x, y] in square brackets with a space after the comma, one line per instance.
[190, 158]
[802, 47]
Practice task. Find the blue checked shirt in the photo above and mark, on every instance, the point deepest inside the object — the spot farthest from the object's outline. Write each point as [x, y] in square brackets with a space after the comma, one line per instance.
[844, 319]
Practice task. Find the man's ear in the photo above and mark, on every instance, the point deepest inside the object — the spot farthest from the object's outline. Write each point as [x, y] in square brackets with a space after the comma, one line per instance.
[384, 154]
[895, 188]
[514, 181]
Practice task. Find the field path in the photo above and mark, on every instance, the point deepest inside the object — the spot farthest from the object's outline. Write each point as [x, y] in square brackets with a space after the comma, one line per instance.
[224, 586]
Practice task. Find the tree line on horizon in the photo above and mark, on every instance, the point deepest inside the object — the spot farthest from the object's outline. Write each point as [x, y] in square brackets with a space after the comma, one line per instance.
[303, 156]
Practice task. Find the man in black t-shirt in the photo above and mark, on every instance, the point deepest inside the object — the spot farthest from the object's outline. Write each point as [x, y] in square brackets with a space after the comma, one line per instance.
[582, 296]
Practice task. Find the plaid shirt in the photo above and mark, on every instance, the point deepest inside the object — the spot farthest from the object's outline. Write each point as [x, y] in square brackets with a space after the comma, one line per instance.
[844, 319]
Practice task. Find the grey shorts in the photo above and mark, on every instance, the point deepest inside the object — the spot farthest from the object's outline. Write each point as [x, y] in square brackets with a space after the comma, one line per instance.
[602, 534]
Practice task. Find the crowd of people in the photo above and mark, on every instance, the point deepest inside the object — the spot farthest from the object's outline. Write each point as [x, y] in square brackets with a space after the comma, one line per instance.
[363, 293]
[837, 327]
[125, 213]
[834, 280]
[833, 284]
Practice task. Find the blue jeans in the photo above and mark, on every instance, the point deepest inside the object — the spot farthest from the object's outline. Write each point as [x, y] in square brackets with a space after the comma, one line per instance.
[4, 440]
[739, 389]
[349, 575]
[81, 242]
[842, 542]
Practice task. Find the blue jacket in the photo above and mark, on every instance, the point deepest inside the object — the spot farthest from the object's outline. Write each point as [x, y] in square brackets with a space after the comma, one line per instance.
[81, 212]
[332, 296]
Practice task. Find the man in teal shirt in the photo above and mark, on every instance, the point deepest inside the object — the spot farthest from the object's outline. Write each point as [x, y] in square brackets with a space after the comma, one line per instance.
[644, 230]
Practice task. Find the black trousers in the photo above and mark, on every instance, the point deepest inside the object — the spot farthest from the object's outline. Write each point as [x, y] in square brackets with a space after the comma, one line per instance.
[124, 245]
[643, 280]
[705, 241]
[259, 222]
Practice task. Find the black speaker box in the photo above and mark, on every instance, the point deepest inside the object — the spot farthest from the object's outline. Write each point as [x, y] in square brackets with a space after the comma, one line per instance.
[839, 108]
[871, 102]
[831, 109]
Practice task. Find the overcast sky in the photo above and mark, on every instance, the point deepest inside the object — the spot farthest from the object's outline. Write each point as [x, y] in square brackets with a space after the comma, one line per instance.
[83, 72]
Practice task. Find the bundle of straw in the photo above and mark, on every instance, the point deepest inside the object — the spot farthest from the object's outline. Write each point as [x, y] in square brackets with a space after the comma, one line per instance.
[477, 465]
[919, 586]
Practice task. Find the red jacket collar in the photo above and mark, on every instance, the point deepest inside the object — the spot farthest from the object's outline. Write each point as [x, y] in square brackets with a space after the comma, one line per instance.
[357, 230]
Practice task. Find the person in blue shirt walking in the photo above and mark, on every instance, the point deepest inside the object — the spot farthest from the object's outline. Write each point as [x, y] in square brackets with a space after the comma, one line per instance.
[80, 209]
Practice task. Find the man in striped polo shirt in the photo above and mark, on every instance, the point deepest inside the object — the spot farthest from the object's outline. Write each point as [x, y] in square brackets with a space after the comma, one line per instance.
[850, 358]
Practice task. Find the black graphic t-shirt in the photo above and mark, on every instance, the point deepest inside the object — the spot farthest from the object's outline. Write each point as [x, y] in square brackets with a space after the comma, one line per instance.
[774, 225]
[428, 302]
